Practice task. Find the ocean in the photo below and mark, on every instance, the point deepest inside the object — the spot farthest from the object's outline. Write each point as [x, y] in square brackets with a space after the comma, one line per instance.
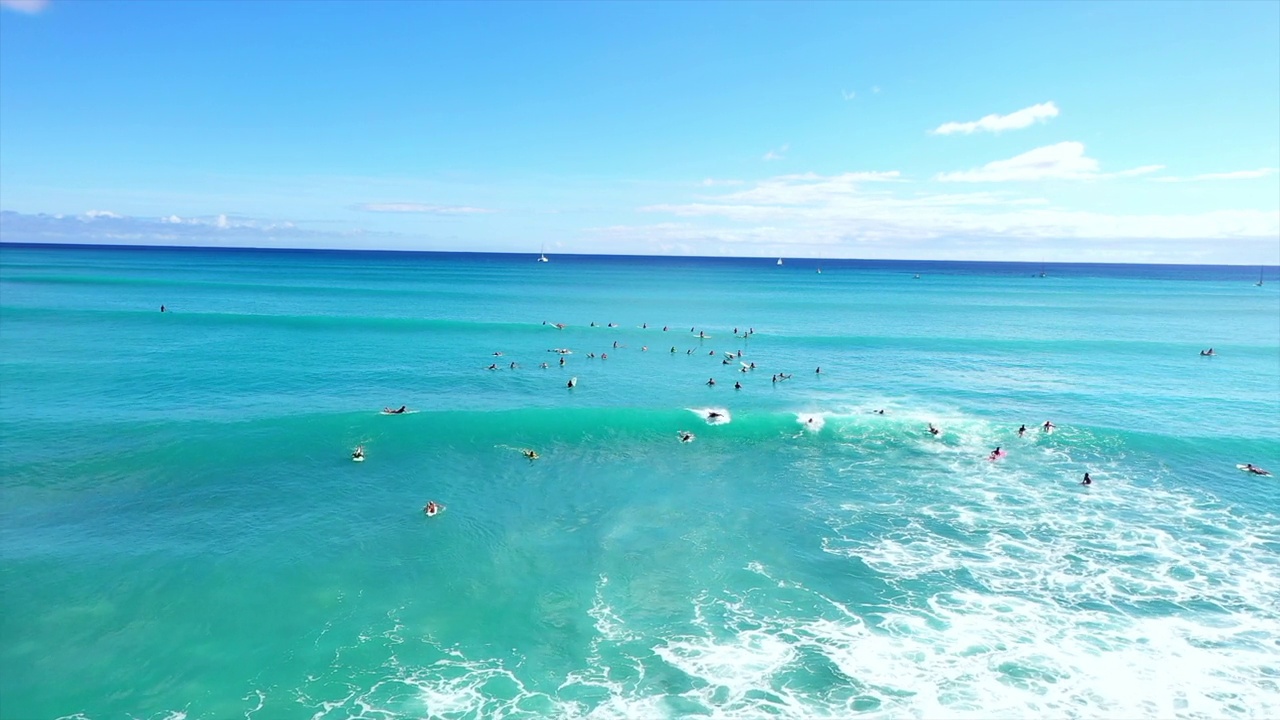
[183, 533]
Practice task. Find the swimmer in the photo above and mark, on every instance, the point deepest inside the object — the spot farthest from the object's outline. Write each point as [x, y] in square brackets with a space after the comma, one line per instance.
[712, 381]
[1022, 431]
[604, 356]
[686, 436]
[431, 508]
[934, 431]
[493, 366]
[737, 386]
[561, 361]
[358, 453]
[1087, 480]
[530, 454]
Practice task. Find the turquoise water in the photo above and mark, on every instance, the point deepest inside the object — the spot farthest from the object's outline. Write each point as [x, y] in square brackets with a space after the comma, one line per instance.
[183, 534]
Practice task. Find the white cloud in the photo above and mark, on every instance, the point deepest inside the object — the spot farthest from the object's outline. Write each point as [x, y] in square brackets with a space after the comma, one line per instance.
[229, 230]
[875, 89]
[1236, 175]
[712, 182]
[100, 214]
[997, 123]
[30, 7]
[848, 94]
[409, 207]
[1063, 161]
[779, 154]
[813, 210]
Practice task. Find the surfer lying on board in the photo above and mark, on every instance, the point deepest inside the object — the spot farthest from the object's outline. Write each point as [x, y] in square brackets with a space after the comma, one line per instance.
[401, 411]
[934, 431]
[1250, 467]
[686, 436]
[996, 454]
[713, 415]
[358, 453]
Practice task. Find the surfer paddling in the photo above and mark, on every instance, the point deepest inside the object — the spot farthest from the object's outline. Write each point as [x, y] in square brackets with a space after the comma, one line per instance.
[388, 411]
[431, 508]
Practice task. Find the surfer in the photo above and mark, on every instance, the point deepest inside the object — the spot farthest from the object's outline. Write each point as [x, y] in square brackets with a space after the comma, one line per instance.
[934, 431]
[644, 326]
[701, 334]
[497, 354]
[1087, 480]
[531, 454]
[673, 349]
[431, 508]
[1208, 353]
[686, 436]
[573, 381]
[775, 380]
[1022, 431]
[713, 415]
[1048, 426]
[664, 328]
[737, 386]
[615, 344]
[1250, 467]
[514, 366]
[996, 454]
[880, 412]
[711, 381]
[358, 453]
[161, 308]
[492, 366]
[544, 366]
[401, 411]
[561, 361]
[818, 371]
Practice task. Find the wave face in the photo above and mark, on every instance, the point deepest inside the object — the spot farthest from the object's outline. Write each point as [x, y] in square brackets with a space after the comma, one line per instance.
[184, 534]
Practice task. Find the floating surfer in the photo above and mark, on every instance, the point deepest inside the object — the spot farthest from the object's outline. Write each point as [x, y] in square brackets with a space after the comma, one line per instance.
[1022, 431]
[573, 382]
[686, 436]
[358, 454]
[432, 508]
[1048, 427]
[1251, 468]
[1087, 480]
[388, 411]
[530, 454]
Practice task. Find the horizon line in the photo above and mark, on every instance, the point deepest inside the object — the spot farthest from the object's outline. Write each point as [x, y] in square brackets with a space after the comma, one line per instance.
[109, 246]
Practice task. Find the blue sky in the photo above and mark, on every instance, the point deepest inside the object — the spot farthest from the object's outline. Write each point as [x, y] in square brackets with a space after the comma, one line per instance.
[1112, 132]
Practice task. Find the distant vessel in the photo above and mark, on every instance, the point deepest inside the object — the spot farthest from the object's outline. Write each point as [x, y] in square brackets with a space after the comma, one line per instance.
[917, 277]
[1259, 283]
[542, 256]
[1042, 270]
[779, 261]
[819, 271]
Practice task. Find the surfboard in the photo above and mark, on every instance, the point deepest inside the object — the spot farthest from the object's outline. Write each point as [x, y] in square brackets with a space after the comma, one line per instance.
[1264, 473]
[439, 509]
[358, 459]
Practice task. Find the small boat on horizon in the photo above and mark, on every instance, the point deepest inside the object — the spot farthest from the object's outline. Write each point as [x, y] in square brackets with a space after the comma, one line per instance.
[1259, 283]
[779, 261]
[542, 255]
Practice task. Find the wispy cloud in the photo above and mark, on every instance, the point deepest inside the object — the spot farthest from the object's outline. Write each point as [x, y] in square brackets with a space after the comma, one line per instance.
[1236, 175]
[848, 94]
[812, 211]
[712, 182]
[998, 123]
[875, 89]
[104, 226]
[30, 7]
[410, 207]
[779, 154]
[1063, 161]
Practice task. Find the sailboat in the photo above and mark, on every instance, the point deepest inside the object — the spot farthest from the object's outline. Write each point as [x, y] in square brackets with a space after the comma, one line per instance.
[1259, 283]
[1042, 270]
[542, 256]
[779, 261]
